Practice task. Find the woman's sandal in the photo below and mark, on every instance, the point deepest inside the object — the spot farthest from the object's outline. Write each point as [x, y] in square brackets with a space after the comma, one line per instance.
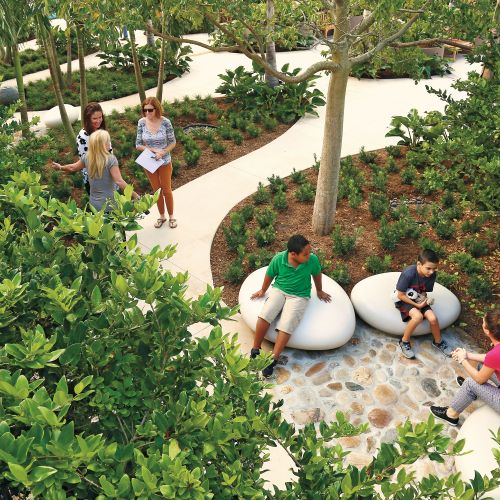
[172, 223]
[160, 223]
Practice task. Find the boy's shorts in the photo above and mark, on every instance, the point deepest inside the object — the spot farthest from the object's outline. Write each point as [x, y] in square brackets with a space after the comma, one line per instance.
[405, 309]
[292, 310]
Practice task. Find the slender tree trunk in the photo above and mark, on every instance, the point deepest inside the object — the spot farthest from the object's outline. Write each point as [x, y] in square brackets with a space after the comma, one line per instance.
[8, 55]
[137, 68]
[83, 76]
[69, 57]
[57, 67]
[325, 203]
[271, 80]
[150, 38]
[20, 88]
[161, 66]
[68, 129]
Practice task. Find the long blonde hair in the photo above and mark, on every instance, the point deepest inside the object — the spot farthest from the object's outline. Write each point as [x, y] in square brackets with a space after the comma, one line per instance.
[98, 153]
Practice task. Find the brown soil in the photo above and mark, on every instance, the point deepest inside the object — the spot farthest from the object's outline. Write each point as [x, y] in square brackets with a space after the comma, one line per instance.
[297, 219]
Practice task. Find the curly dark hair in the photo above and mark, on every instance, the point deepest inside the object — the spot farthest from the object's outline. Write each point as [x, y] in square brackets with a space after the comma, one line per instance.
[89, 110]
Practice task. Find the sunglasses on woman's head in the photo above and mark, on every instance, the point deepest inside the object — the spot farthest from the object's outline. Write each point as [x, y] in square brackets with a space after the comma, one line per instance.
[148, 110]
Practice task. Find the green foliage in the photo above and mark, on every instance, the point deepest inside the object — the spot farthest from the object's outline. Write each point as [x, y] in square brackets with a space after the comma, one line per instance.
[379, 179]
[298, 177]
[269, 123]
[253, 130]
[376, 265]
[218, 148]
[340, 274]
[351, 182]
[265, 236]
[344, 243]
[247, 90]
[259, 259]
[378, 204]
[192, 154]
[247, 212]
[389, 234]
[394, 151]
[475, 225]
[367, 157]
[466, 263]
[236, 234]
[305, 192]
[408, 175]
[280, 202]
[432, 245]
[265, 217]
[392, 166]
[276, 183]
[480, 287]
[235, 272]
[446, 279]
[262, 195]
[476, 247]
[237, 137]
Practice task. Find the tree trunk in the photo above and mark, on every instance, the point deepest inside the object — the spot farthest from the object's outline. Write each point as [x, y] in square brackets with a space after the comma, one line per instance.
[57, 67]
[68, 129]
[150, 38]
[137, 68]
[325, 202]
[83, 77]
[161, 66]
[20, 88]
[271, 80]
[69, 57]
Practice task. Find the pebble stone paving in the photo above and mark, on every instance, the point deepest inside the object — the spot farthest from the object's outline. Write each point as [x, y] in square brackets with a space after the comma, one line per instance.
[370, 381]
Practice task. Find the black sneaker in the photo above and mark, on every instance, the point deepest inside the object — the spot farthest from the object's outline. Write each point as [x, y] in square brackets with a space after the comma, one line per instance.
[440, 412]
[406, 349]
[268, 370]
[460, 381]
[443, 347]
[254, 353]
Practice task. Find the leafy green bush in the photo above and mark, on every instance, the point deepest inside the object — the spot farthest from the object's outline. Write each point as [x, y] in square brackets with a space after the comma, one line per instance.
[408, 175]
[247, 212]
[237, 137]
[377, 265]
[344, 244]
[280, 203]
[378, 204]
[444, 228]
[259, 259]
[340, 274]
[218, 148]
[379, 179]
[354, 195]
[269, 123]
[265, 217]
[235, 272]
[191, 156]
[367, 157]
[262, 195]
[392, 166]
[480, 287]
[394, 151]
[265, 236]
[276, 183]
[253, 130]
[446, 279]
[236, 234]
[298, 177]
[305, 192]
[389, 234]
[467, 263]
[432, 245]
[475, 225]
[476, 247]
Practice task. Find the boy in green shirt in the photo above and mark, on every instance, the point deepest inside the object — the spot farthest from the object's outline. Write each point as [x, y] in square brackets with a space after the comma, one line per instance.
[290, 294]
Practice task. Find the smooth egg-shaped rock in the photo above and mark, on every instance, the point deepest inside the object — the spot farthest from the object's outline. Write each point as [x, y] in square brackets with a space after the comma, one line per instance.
[53, 119]
[325, 325]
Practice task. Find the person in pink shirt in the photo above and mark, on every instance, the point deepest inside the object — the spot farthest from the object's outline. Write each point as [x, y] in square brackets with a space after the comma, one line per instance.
[477, 385]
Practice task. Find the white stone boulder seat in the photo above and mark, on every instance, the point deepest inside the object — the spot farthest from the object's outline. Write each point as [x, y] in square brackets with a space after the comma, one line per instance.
[325, 325]
[373, 303]
[476, 432]
[53, 119]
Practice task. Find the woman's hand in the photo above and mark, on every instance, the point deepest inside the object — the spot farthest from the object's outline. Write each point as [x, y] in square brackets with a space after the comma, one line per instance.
[56, 165]
[159, 154]
[459, 354]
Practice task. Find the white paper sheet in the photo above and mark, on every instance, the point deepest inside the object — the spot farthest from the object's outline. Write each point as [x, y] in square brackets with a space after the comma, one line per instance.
[147, 160]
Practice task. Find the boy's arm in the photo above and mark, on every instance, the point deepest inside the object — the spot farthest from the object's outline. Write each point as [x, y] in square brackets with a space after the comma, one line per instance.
[404, 298]
[318, 283]
[265, 285]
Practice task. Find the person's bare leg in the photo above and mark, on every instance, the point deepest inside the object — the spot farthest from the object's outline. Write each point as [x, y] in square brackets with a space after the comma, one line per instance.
[281, 341]
[260, 332]
[416, 319]
[434, 323]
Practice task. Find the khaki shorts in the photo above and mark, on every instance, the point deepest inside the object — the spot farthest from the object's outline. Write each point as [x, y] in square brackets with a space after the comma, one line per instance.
[291, 307]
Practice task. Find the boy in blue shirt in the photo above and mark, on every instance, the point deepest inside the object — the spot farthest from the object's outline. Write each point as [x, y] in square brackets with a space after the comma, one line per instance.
[290, 294]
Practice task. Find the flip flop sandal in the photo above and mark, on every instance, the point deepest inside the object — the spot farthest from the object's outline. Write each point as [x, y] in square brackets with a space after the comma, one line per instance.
[172, 223]
[160, 223]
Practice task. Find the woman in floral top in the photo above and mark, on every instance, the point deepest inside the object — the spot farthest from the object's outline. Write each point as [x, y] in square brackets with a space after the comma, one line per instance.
[155, 132]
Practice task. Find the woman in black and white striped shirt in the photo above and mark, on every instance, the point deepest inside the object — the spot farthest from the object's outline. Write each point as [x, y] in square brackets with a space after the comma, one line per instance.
[155, 132]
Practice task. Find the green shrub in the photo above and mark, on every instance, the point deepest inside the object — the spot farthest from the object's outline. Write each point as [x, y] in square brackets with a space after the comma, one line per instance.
[448, 199]
[480, 287]
[191, 156]
[446, 279]
[344, 244]
[379, 179]
[269, 123]
[276, 183]
[218, 148]
[466, 263]
[235, 272]
[432, 245]
[225, 132]
[354, 195]
[176, 167]
[262, 195]
[367, 157]
[340, 274]
[237, 137]
[445, 229]
[235, 237]
[394, 151]
[408, 175]
[305, 192]
[378, 204]
[253, 130]
[475, 225]
[259, 259]
[200, 114]
[280, 203]
[298, 177]
[265, 217]
[377, 265]
[265, 236]
[247, 212]
[409, 228]
[389, 234]
[392, 166]
[476, 247]
[316, 164]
